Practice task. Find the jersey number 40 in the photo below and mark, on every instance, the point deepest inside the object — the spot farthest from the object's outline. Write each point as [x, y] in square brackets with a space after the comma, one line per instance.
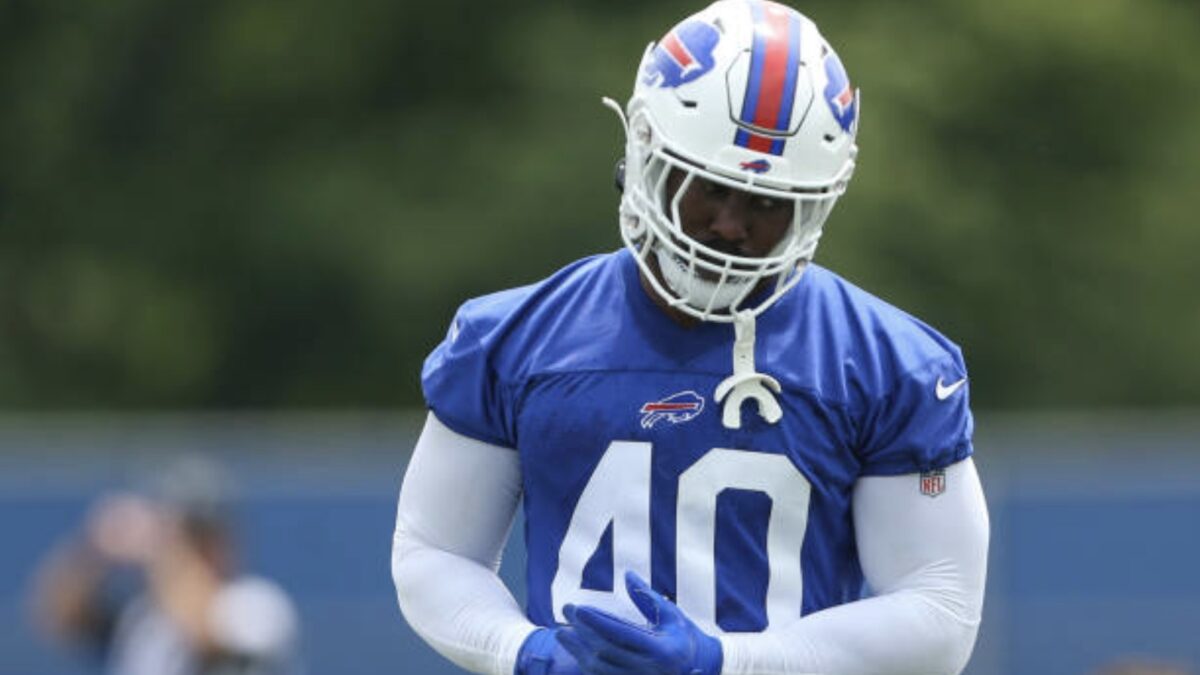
[618, 493]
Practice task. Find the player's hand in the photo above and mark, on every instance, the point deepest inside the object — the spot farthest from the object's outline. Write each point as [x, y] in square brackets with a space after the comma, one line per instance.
[604, 644]
[126, 528]
[541, 654]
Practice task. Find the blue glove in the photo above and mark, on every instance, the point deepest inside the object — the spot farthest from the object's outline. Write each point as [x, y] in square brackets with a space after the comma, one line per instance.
[541, 654]
[604, 644]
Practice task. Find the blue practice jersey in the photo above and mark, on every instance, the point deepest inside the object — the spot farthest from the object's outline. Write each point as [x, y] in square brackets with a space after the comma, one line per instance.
[626, 465]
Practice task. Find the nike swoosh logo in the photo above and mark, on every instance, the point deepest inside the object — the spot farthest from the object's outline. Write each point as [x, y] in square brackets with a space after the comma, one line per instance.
[944, 391]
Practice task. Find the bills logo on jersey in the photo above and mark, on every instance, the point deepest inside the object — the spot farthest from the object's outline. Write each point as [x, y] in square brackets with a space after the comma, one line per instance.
[756, 166]
[682, 55]
[838, 92]
[933, 483]
[676, 409]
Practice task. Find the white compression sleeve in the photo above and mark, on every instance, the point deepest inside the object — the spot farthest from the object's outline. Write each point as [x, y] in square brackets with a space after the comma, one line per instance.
[925, 561]
[456, 508]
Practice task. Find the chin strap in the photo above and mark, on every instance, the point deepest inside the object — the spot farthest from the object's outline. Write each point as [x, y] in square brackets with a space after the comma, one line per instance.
[745, 382]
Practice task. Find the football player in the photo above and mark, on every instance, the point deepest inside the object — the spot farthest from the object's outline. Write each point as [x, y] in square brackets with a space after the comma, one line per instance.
[731, 460]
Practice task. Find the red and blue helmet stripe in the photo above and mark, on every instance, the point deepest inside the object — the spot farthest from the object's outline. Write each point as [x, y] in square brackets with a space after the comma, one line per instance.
[771, 85]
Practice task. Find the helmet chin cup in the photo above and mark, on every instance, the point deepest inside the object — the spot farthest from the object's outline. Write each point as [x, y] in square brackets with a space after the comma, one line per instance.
[697, 291]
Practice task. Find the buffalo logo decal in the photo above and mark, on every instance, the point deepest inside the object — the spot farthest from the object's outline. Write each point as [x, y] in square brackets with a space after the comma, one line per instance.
[676, 409]
[757, 166]
[682, 55]
[838, 92]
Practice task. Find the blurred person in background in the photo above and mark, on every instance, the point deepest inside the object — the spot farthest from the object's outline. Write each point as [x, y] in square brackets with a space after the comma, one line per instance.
[816, 510]
[149, 585]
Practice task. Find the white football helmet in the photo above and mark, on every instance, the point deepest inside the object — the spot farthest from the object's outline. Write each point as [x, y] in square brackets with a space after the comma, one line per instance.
[748, 94]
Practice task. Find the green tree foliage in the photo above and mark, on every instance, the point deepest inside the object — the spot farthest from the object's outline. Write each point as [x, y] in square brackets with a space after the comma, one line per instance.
[266, 203]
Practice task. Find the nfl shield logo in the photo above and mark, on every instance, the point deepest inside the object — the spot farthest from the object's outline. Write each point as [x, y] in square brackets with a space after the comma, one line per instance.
[933, 483]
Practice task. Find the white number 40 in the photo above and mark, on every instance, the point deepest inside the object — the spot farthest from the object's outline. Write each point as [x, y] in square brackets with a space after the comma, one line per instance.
[618, 494]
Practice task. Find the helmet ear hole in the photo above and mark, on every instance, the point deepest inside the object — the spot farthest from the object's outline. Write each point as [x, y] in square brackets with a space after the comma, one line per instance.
[633, 228]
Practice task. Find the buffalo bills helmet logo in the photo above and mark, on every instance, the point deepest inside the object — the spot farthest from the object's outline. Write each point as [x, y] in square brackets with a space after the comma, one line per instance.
[682, 55]
[838, 93]
[757, 166]
[676, 409]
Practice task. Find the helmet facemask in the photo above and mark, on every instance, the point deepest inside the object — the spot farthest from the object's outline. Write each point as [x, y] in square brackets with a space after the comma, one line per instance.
[698, 280]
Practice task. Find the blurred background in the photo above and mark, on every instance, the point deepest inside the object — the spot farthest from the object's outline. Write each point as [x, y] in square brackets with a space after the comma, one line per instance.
[237, 228]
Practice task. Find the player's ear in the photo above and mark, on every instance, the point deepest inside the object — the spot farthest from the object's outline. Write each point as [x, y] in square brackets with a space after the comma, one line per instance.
[619, 175]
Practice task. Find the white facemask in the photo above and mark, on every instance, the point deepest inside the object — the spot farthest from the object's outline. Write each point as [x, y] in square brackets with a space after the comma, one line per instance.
[697, 292]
